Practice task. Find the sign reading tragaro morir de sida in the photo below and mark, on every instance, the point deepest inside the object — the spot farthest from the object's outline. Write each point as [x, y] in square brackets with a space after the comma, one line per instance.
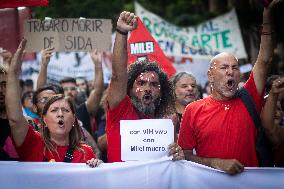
[68, 34]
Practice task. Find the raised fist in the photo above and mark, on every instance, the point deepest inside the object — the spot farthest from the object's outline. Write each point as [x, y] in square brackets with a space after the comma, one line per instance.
[126, 22]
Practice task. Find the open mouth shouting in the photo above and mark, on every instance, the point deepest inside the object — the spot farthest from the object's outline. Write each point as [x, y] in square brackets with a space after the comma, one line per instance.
[61, 123]
[147, 98]
[230, 84]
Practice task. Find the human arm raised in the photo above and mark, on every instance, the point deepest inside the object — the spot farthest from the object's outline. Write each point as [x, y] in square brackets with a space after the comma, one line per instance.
[45, 58]
[273, 130]
[118, 86]
[18, 123]
[93, 101]
[264, 58]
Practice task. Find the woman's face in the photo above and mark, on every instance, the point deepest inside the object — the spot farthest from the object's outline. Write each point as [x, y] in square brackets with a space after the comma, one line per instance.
[28, 103]
[59, 118]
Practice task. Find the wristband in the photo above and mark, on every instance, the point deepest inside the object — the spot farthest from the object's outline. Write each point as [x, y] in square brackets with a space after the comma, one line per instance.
[121, 32]
[267, 33]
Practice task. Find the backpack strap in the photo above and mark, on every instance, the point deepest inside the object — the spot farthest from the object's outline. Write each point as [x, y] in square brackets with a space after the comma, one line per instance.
[247, 100]
[263, 145]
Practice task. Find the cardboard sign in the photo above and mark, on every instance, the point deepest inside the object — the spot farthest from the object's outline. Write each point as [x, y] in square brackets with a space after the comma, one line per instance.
[68, 34]
[145, 139]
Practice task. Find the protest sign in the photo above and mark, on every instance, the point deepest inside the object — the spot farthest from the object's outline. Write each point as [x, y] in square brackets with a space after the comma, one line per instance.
[142, 45]
[68, 34]
[221, 34]
[145, 139]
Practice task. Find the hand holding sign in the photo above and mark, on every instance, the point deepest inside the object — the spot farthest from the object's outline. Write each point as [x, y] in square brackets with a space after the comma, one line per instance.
[126, 22]
[96, 57]
[45, 56]
[176, 151]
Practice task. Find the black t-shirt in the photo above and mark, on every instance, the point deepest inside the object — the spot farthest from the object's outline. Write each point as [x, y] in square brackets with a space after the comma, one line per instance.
[101, 122]
[179, 116]
[83, 115]
[5, 132]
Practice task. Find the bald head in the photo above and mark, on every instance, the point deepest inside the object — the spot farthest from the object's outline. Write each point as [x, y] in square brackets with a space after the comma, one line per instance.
[220, 58]
[224, 76]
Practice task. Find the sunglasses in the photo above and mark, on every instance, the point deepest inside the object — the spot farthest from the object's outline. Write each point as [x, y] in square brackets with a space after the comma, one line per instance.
[43, 100]
[69, 88]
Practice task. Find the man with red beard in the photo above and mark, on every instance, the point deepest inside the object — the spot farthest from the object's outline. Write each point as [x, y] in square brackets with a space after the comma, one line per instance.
[141, 92]
[219, 127]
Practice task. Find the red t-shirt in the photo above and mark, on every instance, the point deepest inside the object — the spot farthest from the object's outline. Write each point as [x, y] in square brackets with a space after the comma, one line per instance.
[221, 129]
[33, 150]
[124, 111]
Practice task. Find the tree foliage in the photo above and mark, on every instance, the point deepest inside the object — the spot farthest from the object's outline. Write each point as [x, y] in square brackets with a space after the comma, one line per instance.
[178, 12]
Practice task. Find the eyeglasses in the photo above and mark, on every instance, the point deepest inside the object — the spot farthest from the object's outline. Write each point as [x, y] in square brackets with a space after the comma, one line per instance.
[69, 88]
[43, 100]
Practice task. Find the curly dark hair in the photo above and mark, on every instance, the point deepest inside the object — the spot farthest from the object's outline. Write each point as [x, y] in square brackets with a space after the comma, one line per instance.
[166, 106]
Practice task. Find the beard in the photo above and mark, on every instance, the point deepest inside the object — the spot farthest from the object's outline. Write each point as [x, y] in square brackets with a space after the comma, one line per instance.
[2, 108]
[148, 109]
[185, 102]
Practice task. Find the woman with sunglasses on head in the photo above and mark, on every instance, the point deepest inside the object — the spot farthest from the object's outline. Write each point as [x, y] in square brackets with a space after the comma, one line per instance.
[60, 140]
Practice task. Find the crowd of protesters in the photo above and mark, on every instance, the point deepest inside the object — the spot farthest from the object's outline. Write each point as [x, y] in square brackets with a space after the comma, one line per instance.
[74, 122]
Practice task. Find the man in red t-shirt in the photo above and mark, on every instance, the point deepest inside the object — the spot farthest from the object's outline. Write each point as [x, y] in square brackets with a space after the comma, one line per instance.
[142, 92]
[219, 127]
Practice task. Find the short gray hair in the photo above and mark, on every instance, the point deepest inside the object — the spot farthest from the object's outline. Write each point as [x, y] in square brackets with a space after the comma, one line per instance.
[179, 75]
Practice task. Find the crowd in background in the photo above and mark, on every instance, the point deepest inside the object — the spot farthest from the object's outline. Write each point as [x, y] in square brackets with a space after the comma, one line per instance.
[78, 121]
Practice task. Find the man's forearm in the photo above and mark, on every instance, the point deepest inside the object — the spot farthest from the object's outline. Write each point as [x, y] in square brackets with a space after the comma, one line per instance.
[266, 45]
[93, 101]
[230, 166]
[42, 76]
[119, 65]
[201, 160]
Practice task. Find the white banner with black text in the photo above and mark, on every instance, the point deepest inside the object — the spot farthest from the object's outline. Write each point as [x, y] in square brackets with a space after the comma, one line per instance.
[138, 175]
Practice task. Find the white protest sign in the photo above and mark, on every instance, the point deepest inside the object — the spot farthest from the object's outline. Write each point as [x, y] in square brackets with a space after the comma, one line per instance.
[145, 139]
[221, 34]
[197, 67]
[245, 68]
[68, 34]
